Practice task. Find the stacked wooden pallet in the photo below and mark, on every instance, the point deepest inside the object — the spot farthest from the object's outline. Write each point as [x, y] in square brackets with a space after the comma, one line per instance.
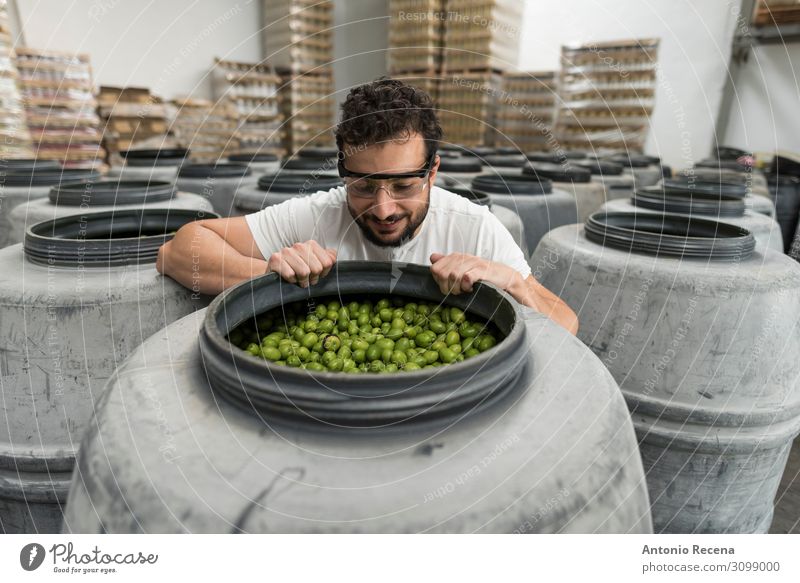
[132, 117]
[607, 93]
[16, 140]
[298, 44]
[252, 88]
[60, 107]
[481, 41]
[776, 12]
[526, 110]
[206, 128]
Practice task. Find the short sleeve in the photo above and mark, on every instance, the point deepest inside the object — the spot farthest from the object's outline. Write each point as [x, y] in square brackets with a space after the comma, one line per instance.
[498, 245]
[276, 227]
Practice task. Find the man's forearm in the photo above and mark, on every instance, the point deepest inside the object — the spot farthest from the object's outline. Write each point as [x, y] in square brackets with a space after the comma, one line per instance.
[531, 293]
[201, 260]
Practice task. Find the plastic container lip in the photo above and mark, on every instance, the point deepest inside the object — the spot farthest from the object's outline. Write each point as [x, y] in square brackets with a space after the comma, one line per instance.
[204, 171]
[298, 183]
[600, 167]
[37, 177]
[28, 164]
[366, 401]
[705, 187]
[555, 158]
[680, 202]
[89, 241]
[318, 153]
[253, 157]
[633, 160]
[151, 157]
[479, 198]
[731, 153]
[558, 173]
[782, 180]
[477, 151]
[317, 164]
[505, 160]
[516, 184]
[460, 164]
[721, 164]
[110, 192]
[670, 235]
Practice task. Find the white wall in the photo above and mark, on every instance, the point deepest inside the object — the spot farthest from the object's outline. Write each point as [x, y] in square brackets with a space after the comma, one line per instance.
[693, 56]
[360, 38]
[765, 114]
[166, 45]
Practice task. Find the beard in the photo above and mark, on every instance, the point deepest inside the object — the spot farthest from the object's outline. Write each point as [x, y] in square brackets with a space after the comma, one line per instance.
[414, 222]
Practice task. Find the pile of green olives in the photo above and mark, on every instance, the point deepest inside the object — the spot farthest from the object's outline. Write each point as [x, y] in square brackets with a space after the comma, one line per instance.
[384, 336]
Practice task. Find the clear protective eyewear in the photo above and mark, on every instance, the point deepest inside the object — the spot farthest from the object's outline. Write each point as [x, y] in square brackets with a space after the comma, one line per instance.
[400, 186]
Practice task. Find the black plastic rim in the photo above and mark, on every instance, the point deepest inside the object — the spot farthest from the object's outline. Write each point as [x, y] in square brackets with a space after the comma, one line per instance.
[516, 184]
[670, 236]
[505, 160]
[109, 192]
[460, 164]
[363, 401]
[508, 151]
[204, 171]
[89, 240]
[633, 160]
[35, 177]
[721, 164]
[480, 198]
[555, 158]
[664, 200]
[694, 185]
[782, 180]
[148, 157]
[299, 184]
[600, 167]
[28, 164]
[252, 157]
[557, 172]
[310, 164]
[730, 153]
[478, 151]
[318, 153]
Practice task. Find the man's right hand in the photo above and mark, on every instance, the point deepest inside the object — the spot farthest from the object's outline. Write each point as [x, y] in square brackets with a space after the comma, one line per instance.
[302, 263]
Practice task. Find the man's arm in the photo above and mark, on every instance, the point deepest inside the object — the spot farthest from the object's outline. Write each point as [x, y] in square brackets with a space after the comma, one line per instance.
[212, 255]
[457, 273]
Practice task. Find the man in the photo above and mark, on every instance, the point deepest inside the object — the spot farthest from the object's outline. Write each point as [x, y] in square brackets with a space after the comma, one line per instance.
[388, 210]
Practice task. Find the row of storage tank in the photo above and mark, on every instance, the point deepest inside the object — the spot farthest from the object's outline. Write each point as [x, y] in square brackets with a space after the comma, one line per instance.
[117, 382]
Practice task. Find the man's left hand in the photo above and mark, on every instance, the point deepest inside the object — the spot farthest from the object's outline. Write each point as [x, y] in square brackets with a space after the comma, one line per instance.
[457, 273]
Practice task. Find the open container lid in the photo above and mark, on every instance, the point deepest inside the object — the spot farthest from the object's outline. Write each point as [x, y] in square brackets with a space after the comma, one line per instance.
[106, 239]
[363, 401]
[299, 184]
[248, 157]
[149, 157]
[666, 200]
[44, 176]
[693, 184]
[111, 192]
[567, 172]
[467, 165]
[670, 236]
[516, 184]
[205, 171]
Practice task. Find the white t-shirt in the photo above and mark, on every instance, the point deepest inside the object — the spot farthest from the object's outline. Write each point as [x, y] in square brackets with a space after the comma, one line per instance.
[453, 225]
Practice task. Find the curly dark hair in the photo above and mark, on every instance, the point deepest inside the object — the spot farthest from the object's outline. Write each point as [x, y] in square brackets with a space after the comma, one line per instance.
[385, 109]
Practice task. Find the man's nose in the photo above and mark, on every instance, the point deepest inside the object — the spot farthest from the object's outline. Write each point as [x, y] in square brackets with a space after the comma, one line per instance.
[385, 205]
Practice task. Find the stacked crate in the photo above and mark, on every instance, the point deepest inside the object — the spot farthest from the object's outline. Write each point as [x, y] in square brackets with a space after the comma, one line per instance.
[208, 129]
[298, 44]
[526, 110]
[16, 138]
[607, 93]
[60, 107]
[482, 34]
[481, 40]
[416, 38]
[132, 117]
[467, 106]
[253, 90]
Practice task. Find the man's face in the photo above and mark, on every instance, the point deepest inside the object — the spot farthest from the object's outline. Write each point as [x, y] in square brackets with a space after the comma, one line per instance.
[385, 220]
